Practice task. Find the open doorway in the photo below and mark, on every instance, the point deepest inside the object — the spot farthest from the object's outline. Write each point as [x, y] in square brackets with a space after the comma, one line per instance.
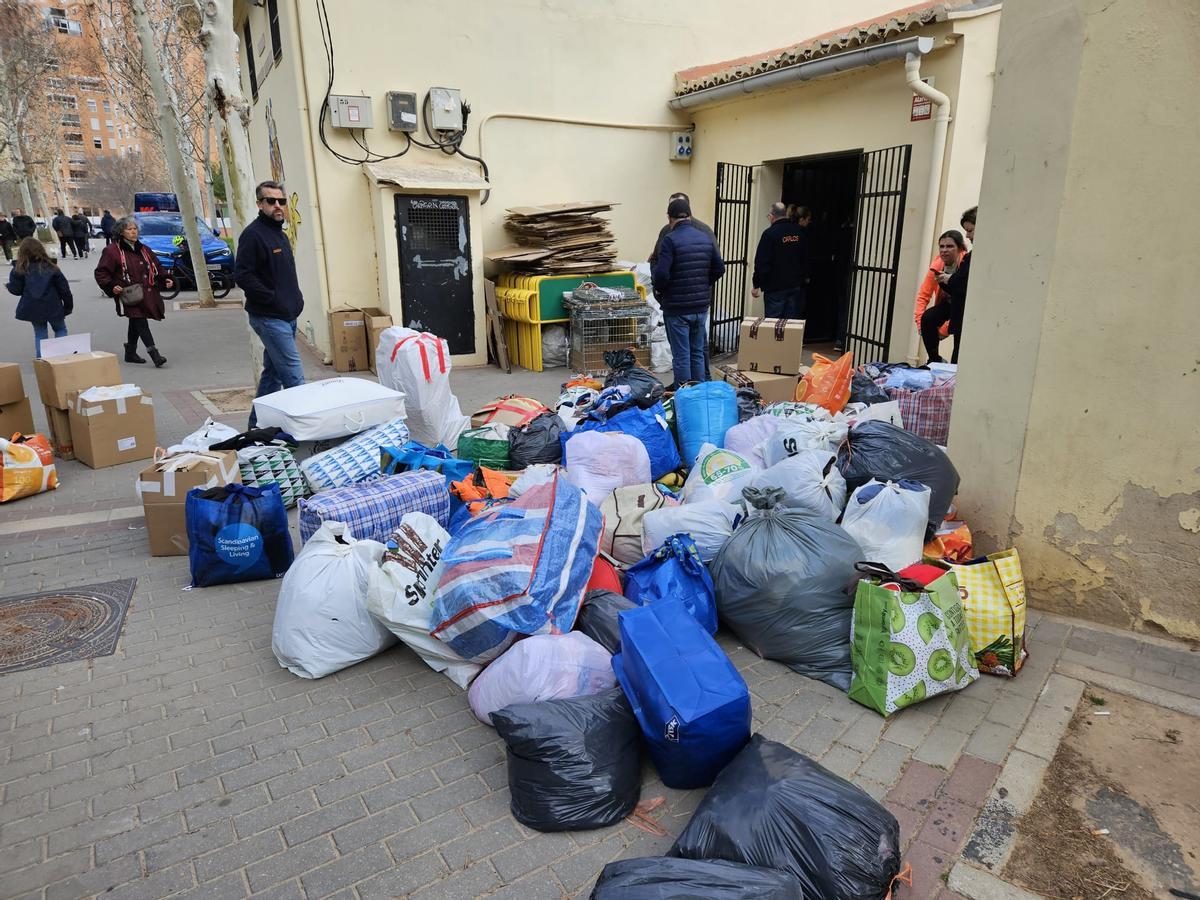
[827, 185]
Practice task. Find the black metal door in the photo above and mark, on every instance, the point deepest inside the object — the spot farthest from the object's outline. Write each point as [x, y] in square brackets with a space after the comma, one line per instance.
[882, 189]
[731, 225]
[434, 236]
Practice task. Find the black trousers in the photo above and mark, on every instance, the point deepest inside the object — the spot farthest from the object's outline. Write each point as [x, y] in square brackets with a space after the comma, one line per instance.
[83, 245]
[66, 244]
[139, 328]
[931, 321]
[7, 248]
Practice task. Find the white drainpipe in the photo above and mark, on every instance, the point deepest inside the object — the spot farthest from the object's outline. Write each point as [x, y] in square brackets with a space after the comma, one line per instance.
[937, 155]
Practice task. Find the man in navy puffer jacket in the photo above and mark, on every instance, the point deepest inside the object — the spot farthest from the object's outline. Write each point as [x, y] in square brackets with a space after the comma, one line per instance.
[688, 265]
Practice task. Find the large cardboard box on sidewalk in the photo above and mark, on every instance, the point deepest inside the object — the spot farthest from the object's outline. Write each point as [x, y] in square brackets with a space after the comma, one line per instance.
[772, 388]
[16, 417]
[57, 378]
[111, 432]
[11, 388]
[774, 346]
[58, 423]
[376, 321]
[164, 486]
[348, 337]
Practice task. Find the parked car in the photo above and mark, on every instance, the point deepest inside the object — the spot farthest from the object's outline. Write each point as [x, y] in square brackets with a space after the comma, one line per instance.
[155, 201]
[158, 231]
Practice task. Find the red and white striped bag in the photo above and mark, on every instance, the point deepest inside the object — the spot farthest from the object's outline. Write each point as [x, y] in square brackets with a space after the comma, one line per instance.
[418, 363]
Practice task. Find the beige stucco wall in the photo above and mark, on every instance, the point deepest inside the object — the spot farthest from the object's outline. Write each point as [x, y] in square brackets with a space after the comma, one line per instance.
[1075, 415]
[868, 109]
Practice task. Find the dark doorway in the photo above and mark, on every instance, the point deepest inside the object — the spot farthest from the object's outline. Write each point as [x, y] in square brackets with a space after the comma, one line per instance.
[827, 185]
[436, 295]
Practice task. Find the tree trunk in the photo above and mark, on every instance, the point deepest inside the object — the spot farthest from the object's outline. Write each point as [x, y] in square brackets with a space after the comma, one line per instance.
[175, 163]
[208, 176]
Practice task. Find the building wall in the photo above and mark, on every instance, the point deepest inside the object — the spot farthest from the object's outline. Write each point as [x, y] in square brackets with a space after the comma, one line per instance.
[612, 60]
[1075, 415]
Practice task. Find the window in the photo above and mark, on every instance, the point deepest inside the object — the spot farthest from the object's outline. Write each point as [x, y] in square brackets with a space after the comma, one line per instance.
[64, 101]
[95, 123]
[89, 84]
[108, 124]
[77, 174]
[70, 119]
[91, 105]
[97, 143]
[77, 159]
[112, 145]
[248, 47]
[73, 138]
[107, 106]
[57, 16]
[273, 17]
[55, 83]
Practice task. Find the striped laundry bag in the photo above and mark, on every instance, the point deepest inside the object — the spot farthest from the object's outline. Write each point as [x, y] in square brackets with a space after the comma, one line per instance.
[373, 510]
[517, 570]
[927, 413]
[353, 461]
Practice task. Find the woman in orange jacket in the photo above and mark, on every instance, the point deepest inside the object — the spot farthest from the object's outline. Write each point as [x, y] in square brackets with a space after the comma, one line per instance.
[951, 249]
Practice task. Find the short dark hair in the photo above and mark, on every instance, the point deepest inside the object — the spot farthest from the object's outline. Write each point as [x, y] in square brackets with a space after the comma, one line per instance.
[955, 235]
[679, 209]
[679, 196]
[262, 185]
[969, 216]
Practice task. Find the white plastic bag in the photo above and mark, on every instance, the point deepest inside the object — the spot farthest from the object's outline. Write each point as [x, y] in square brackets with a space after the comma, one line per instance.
[709, 522]
[661, 358]
[717, 475]
[321, 619]
[747, 437]
[418, 363]
[542, 667]
[572, 404]
[795, 436]
[532, 476]
[810, 479]
[400, 594]
[600, 462]
[888, 520]
[555, 347]
[329, 408]
[205, 436]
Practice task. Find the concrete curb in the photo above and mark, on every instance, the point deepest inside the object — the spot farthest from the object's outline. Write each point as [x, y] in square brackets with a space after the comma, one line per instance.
[980, 885]
[1189, 706]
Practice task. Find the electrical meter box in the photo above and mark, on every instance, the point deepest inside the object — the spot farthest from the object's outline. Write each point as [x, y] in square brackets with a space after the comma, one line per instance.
[402, 111]
[445, 109]
[350, 112]
[681, 146]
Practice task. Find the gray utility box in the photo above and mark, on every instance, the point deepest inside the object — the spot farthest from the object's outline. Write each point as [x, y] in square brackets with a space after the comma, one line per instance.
[346, 111]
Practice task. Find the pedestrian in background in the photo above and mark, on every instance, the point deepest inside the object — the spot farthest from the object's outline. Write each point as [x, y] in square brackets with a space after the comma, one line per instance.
[65, 229]
[8, 236]
[781, 264]
[265, 270]
[951, 249]
[46, 299]
[128, 273]
[688, 265]
[23, 224]
[81, 228]
[106, 224]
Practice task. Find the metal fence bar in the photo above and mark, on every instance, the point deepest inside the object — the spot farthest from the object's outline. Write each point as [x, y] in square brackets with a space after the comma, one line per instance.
[731, 224]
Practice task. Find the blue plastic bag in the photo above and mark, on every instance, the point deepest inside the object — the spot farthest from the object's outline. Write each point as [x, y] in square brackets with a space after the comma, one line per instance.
[237, 533]
[675, 571]
[703, 413]
[414, 455]
[692, 705]
[647, 425]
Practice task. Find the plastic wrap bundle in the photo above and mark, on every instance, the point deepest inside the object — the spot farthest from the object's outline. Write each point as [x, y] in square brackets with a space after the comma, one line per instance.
[556, 346]
[703, 413]
[418, 363]
[746, 438]
[600, 462]
[889, 521]
[782, 581]
[329, 408]
[810, 480]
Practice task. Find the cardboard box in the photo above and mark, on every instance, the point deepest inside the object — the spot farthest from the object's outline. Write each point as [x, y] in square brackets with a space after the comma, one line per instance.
[11, 388]
[164, 487]
[772, 388]
[376, 321]
[16, 417]
[61, 376]
[348, 337]
[111, 432]
[775, 346]
[58, 422]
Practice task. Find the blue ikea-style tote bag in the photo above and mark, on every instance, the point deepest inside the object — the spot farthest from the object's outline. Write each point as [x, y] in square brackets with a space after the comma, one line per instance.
[237, 533]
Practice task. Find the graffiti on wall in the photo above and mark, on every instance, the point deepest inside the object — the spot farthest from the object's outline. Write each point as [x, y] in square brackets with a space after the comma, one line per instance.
[292, 223]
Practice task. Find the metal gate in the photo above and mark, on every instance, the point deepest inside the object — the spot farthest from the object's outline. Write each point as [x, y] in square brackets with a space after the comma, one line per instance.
[882, 189]
[436, 294]
[731, 225]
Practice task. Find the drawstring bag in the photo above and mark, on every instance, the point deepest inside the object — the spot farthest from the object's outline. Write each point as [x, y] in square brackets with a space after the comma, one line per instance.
[675, 571]
[810, 480]
[417, 363]
[237, 533]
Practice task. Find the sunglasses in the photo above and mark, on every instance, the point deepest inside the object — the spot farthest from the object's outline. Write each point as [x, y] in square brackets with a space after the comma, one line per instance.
[277, 201]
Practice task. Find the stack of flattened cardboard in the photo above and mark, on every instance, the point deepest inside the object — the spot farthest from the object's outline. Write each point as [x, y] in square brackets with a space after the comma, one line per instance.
[558, 239]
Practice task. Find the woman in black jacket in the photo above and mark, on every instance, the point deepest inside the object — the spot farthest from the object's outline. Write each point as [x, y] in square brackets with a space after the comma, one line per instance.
[955, 287]
[82, 230]
[46, 298]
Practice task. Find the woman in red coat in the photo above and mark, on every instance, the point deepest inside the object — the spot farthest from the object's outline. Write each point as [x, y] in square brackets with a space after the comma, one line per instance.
[126, 263]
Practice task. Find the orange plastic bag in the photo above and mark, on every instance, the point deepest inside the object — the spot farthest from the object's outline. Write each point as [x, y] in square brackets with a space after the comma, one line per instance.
[481, 489]
[953, 543]
[26, 467]
[827, 383]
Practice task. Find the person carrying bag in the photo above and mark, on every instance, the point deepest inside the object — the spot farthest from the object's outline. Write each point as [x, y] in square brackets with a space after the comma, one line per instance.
[128, 273]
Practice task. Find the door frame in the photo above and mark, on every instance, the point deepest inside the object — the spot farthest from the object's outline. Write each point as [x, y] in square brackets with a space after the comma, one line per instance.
[466, 251]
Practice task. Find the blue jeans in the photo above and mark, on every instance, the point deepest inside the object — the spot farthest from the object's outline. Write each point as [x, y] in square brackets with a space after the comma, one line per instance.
[789, 303]
[282, 367]
[688, 337]
[41, 331]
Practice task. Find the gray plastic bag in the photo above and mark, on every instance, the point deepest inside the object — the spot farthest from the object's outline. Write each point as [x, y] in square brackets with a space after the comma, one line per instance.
[783, 584]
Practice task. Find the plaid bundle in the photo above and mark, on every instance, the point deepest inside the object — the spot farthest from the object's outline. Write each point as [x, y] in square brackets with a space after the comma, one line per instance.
[927, 413]
[264, 464]
[373, 510]
[353, 461]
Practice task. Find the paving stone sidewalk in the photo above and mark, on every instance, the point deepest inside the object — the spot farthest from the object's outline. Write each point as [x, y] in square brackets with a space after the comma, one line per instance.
[189, 763]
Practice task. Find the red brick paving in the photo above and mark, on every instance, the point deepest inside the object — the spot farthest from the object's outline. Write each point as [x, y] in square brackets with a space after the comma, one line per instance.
[917, 786]
[948, 825]
[928, 864]
[971, 780]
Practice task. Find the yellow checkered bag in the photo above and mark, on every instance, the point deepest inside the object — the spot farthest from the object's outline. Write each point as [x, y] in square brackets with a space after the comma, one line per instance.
[992, 589]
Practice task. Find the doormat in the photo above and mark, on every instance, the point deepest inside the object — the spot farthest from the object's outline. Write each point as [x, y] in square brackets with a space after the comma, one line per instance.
[62, 626]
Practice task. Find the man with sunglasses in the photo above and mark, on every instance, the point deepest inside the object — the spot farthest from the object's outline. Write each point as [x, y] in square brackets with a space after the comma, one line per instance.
[265, 270]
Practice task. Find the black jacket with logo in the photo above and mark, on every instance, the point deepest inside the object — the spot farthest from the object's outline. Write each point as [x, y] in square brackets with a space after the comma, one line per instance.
[266, 270]
[24, 226]
[781, 261]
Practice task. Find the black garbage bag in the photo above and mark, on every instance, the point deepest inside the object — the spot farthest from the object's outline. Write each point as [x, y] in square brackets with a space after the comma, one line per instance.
[598, 618]
[782, 583]
[749, 403]
[664, 878]
[864, 390]
[573, 764]
[776, 808]
[537, 441]
[623, 369]
[883, 451]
